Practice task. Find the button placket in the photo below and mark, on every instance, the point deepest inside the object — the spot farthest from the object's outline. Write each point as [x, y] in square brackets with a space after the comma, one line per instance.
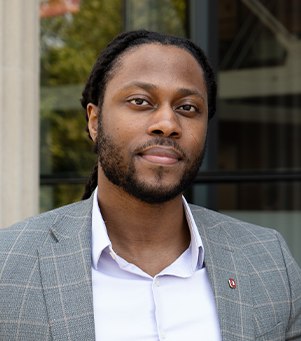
[157, 282]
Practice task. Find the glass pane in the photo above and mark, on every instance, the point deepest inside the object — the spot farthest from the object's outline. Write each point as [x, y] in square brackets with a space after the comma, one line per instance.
[260, 111]
[168, 16]
[73, 33]
[57, 195]
[260, 84]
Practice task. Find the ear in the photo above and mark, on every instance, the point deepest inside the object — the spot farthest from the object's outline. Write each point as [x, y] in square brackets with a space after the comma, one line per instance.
[92, 112]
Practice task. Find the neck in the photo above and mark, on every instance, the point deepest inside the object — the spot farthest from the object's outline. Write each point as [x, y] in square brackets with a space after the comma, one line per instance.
[151, 236]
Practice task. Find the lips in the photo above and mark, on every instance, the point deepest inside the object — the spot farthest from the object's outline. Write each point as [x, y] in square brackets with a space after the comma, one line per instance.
[161, 155]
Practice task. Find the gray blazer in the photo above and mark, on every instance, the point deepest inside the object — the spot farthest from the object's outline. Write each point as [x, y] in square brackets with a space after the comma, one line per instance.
[46, 291]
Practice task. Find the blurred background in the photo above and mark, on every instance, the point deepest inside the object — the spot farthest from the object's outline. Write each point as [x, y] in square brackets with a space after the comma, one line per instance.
[252, 170]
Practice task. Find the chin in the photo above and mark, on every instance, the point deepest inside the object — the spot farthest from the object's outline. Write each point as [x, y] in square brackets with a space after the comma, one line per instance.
[153, 193]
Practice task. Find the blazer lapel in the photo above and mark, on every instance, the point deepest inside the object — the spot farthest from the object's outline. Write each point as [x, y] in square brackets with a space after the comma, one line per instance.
[65, 267]
[224, 260]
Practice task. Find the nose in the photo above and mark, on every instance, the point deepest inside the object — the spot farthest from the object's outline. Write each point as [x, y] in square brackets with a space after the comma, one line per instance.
[165, 123]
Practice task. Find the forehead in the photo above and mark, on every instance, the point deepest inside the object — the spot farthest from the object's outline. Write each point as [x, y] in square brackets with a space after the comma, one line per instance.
[157, 63]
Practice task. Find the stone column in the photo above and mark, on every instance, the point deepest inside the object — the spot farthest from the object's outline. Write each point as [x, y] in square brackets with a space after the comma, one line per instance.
[19, 110]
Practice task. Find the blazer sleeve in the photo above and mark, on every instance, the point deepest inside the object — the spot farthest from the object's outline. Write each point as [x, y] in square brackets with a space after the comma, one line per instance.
[293, 331]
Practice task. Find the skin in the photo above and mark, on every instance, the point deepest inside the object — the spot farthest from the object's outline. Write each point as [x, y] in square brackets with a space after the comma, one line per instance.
[158, 91]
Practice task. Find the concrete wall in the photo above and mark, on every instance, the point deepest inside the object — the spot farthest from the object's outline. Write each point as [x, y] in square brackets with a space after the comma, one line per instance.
[19, 110]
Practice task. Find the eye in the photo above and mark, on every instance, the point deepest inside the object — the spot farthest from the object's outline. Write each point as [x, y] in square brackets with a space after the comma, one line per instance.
[187, 107]
[139, 101]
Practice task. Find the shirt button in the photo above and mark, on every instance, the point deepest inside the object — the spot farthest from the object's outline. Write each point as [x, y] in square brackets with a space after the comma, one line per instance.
[163, 335]
[157, 281]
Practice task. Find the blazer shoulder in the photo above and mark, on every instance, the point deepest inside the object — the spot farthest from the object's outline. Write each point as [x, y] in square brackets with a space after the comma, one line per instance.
[234, 228]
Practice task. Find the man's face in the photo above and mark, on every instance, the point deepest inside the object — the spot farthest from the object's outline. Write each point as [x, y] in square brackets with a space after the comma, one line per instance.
[153, 124]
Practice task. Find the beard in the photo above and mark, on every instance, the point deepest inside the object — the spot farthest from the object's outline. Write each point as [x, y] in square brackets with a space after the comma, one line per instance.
[111, 159]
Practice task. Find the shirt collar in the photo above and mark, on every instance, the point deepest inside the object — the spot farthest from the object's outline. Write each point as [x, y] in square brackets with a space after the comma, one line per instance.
[197, 248]
[100, 239]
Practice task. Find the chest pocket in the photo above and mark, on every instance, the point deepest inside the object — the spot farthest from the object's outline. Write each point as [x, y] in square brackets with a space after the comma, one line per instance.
[275, 334]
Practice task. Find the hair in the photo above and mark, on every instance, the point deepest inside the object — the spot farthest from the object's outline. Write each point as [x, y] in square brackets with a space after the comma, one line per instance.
[108, 61]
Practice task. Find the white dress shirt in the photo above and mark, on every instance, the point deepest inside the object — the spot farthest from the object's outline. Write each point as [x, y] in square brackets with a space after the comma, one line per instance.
[130, 305]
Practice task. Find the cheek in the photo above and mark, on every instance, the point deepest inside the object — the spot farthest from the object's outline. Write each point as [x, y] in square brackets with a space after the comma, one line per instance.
[126, 129]
[198, 140]
[126, 135]
[117, 119]
[198, 135]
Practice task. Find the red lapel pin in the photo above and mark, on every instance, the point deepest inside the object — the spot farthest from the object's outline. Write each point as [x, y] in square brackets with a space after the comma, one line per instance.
[232, 283]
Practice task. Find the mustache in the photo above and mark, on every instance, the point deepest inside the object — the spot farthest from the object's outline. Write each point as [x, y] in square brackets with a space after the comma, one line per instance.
[161, 141]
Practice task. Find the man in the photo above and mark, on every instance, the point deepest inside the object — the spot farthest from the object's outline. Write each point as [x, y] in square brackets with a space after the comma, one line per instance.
[134, 261]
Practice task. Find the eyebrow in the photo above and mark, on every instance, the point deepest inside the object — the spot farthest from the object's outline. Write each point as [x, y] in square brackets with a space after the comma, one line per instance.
[193, 92]
[152, 87]
[144, 86]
